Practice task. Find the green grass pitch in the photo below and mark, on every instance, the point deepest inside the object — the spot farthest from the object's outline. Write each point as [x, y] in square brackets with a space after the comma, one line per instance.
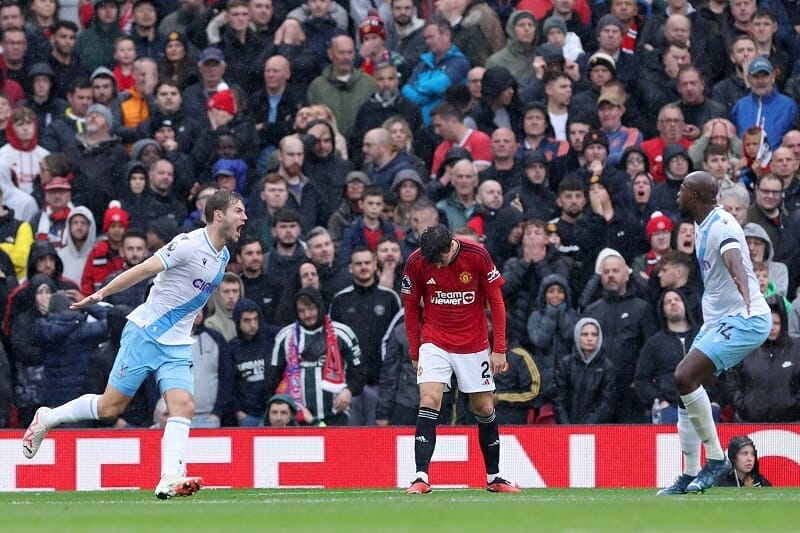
[317, 510]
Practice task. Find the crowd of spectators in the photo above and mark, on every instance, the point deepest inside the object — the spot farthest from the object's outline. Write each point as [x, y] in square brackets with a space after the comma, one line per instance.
[556, 134]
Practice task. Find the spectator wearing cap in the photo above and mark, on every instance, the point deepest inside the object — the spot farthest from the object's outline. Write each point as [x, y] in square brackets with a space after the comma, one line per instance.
[696, 108]
[386, 102]
[275, 104]
[555, 32]
[242, 47]
[99, 158]
[106, 258]
[658, 231]
[519, 51]
[505, 168]
[225, 117]
[499, 106]
[765, 106]
[611, 32]
[95, 45]
[104, 86]
[610, 110]
[565, 10]
[135, 105]
[52, 222]
[344, 98]
[372, 35]
[165, 132]
[62, 59]
[350, 207]
[670, 126]
[212, 67]
[42, 99]
[440, 67]
[533, 197]
[600, 70]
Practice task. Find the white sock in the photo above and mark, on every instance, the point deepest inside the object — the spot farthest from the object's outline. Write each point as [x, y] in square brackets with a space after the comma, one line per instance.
[173, 446]
[690, 443]
[77, 410]
[698, 407]
[491, 477]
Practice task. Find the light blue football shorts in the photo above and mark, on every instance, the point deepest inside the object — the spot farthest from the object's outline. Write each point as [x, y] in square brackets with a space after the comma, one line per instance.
[729, 341]
[139, 355]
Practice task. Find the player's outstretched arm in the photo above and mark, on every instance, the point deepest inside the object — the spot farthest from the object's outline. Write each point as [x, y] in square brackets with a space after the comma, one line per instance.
[733, 262]
[142, 271]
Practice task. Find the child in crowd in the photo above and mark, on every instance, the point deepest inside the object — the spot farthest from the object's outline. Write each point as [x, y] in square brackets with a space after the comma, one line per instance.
[125, 56]
[755, 159]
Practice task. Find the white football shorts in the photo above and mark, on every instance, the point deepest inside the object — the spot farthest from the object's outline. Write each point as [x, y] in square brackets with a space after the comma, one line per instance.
[473, 370]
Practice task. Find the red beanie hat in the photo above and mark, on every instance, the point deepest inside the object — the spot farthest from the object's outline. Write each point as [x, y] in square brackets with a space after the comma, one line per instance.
[373, 23]
[222, 100]
[115, 213]
[658, 222]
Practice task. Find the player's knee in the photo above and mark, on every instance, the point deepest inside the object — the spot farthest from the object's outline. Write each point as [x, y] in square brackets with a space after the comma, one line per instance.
[430, 401]
[183, 407]
[683, 380]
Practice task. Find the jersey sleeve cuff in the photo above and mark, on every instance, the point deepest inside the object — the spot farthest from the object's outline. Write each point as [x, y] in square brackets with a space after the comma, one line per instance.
[729, 244]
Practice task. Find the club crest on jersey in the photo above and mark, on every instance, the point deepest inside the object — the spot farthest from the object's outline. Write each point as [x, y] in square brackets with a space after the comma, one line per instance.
[465, 277]
[419, 370]
[405, 285]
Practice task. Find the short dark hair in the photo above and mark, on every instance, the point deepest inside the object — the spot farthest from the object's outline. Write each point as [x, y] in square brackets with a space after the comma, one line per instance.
[570, 184]
[674, 257]
[285, 214]
[68, 24]
[221, 201]
[554, 75]
[81, 82]
[714, 149]
[435, 242]
[247, 241]
[358, 249]
[372, 190]
[764, 13]
[135, 233]
[447, 111]
[441, 23]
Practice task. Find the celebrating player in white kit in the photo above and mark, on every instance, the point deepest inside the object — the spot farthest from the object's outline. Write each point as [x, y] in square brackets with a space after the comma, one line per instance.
[157, 339]
[736, 320]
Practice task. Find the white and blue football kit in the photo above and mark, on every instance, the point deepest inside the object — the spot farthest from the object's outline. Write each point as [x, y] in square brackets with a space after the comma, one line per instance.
[157, 337]
[729, 332]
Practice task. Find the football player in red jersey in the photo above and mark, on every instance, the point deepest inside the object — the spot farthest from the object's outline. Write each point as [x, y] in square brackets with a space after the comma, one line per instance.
[446, 284]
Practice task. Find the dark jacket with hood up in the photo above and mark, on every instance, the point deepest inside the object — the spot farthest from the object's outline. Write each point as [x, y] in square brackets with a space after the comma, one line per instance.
[496, 80]
[551, 332]
[585, 386]
[732, 479]
[660, 355]
[23, 296]
[246, 358]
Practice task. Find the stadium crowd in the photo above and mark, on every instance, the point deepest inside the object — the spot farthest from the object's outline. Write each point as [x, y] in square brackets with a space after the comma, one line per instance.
[556, 134]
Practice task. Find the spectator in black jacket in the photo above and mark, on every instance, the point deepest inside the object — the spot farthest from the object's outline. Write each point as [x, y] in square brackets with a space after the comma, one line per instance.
[246, 355]
[398, 393]
[368, 309]
[6, 388]
[551, 330]
[585, 379]
[661, 354]
[275, 119]
[627, 321]
[524, 274]
[765, 387]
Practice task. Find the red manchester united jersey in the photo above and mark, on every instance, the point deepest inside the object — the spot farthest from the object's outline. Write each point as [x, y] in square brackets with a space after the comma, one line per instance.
[453, 297]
